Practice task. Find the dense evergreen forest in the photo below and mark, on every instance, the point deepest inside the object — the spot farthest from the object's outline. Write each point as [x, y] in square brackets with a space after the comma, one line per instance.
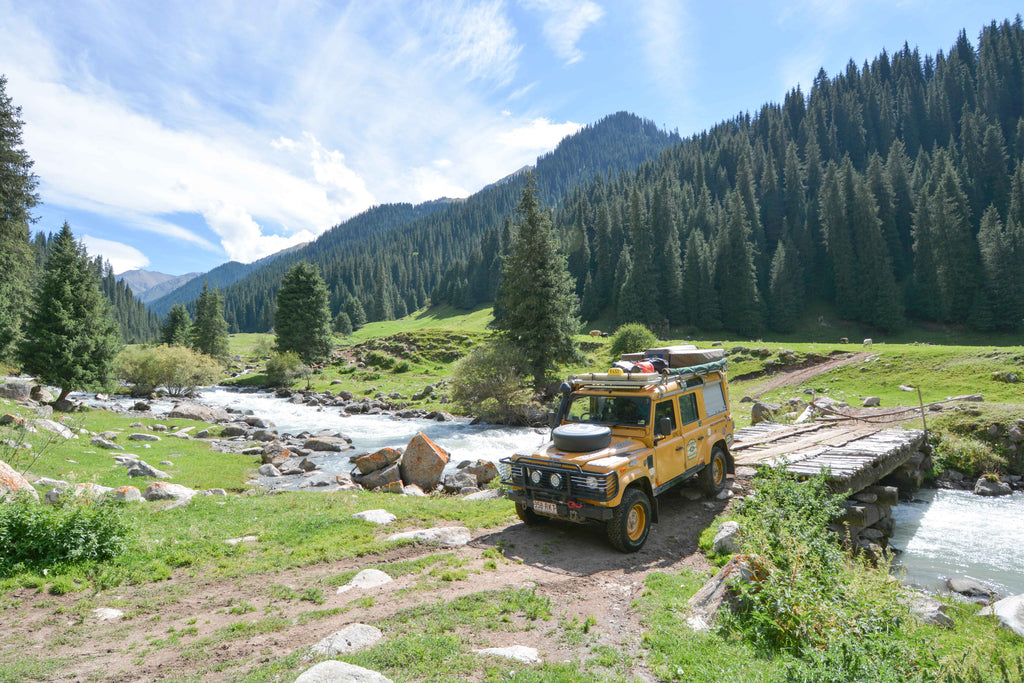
[138, 323]
[895, 190]
[390, 258]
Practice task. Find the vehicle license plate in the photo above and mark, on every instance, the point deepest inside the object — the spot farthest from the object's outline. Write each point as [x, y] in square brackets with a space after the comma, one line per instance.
[545, 508]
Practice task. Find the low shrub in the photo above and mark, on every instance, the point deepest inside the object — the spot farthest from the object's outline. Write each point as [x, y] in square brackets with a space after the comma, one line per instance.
[966, 454]
[631, 338]
[490, 383]
[34, 537]
[284, 368]
[178, 369]
[379, 359]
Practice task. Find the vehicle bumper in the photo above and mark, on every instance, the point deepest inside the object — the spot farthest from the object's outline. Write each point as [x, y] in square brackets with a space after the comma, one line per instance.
[583, 513]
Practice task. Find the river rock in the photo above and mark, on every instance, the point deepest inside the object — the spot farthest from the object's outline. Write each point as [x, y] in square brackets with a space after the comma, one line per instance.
[161, 490]
[275, 453]
[454, 482]
[352, 638]
[40, 394]
[333, 671]
[423, 462]
[317, 480]
[762, 412]
[257, 422]
[379, 478]
[872, 402]
[365, 580]
[16, 391]
[127, 494]
[55, 428]
[484, 470]
[984, 487]
[377, 460]
[519, 653]
[142, 407]
[378, 516]
[446, 536]
[971, 588]
[194, 411]
[413, 490]
[234, 430]
[326, 443]
[928, 610]
[144, 437]
[104, 443]
[12, 483]
[1010, 612]
[264, 435]
[269, 470]
[140, 468]
[727, 539]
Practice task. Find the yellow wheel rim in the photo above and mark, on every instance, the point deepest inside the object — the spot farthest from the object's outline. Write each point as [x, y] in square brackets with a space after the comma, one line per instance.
[636, 522]
[718, 471]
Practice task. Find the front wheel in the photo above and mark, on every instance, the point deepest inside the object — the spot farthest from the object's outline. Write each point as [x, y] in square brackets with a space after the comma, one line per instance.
[712, 477]
[529, 517]
[630, 522]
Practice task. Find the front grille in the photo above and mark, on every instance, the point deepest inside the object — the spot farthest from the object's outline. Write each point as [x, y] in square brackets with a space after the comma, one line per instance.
[558, 483]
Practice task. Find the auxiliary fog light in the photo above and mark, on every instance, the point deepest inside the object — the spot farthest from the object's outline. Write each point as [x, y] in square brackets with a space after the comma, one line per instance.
[556, 481]
[591, 482]
[535, 476]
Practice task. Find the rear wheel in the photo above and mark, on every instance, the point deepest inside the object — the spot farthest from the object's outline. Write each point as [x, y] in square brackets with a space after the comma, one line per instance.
[630, 522]
[529, 517]
[712, 477]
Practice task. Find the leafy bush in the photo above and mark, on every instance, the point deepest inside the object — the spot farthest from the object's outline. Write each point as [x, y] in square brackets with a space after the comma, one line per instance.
[402, 366]
[631, 338]
[379, 359]
[283, 368]
[966, 454]
[176, 368]
[490, 383]
[34, 537]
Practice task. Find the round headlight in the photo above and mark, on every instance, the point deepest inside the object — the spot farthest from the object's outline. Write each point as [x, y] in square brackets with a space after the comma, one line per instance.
[535, 476]
[591, 482]
[556, 481]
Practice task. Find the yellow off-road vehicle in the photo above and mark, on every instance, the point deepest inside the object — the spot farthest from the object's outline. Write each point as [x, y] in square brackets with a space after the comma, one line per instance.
[621, 438]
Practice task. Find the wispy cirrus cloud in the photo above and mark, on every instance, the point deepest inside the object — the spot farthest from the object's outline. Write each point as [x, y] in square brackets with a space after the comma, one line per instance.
[565, 23]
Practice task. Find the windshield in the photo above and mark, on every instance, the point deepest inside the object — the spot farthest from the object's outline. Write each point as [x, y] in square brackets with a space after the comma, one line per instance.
[629, 411]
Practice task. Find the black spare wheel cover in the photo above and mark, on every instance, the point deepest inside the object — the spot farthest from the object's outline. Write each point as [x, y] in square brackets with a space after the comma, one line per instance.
[581, 437]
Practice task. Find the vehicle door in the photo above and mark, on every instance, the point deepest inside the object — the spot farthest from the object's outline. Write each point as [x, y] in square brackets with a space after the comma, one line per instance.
[669, 455]
[691, 429]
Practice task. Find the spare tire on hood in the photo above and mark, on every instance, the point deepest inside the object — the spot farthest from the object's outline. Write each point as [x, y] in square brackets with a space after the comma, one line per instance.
[579, 437]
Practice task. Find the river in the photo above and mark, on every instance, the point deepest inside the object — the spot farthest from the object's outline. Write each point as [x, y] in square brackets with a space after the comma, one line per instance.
[945, 534]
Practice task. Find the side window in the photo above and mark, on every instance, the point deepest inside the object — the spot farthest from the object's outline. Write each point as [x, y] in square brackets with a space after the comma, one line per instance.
[688, 408]
[714, 399]
[664, 409]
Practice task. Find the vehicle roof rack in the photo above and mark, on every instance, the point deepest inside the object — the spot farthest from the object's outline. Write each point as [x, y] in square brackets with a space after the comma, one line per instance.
[640, 380]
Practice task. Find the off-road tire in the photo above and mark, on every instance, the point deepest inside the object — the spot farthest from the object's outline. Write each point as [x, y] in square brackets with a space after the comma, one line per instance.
[580, 438]
[529, 517]
[630, 522]
[713, 477]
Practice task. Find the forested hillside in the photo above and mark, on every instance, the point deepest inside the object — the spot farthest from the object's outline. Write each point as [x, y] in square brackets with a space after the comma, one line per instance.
[894, 190]
[137, 322]
[390, 258]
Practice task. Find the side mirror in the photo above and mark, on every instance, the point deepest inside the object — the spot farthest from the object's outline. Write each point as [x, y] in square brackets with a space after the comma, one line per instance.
[665, 426]
[552, 419]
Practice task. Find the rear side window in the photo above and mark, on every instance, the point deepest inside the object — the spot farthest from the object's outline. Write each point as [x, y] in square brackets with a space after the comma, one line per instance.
[688, 408]
[714, 399]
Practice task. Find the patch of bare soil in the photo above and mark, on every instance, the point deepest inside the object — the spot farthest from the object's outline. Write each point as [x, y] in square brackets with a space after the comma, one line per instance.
[795, 375]
[175, 629]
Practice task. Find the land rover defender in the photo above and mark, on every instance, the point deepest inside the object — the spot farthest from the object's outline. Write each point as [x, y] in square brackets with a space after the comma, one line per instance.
[621, 438]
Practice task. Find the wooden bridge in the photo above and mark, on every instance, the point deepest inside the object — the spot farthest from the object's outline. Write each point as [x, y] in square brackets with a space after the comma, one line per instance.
[856, 453]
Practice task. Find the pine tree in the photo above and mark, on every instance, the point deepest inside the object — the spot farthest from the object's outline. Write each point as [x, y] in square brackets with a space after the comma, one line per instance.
[355, 311]
[302, 322]
[177, 327]
[17, 197]
[70, 337]
[735, 273]
[536, 291]
[210, 330]
[342, 324]
[786, 288]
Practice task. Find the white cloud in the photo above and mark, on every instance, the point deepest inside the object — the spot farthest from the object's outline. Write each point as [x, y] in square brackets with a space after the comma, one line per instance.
[478, 37]
[538, 136]
[666, 37]
[121, 256]
[565, 24]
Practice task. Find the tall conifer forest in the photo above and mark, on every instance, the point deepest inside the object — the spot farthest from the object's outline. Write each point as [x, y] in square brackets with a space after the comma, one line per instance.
[890, 192]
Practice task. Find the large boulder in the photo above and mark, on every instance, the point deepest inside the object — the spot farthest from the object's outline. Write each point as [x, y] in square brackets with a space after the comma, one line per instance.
[987, 487]
[423, 462]
[161, 490]
[456, 481]
[40, 394]
[378, 460]
[326, 443]
[194, 411]
[763, 412]
[55, 428]
[971, 588]
[141, 468]
[380, 478]
[12, 483]
[127, 494]
[16, 391]
[719, 591]
[333, 671]
[1010, 612]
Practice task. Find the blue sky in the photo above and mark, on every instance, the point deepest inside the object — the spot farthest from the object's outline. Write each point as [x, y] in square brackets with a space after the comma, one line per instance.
[175, 136]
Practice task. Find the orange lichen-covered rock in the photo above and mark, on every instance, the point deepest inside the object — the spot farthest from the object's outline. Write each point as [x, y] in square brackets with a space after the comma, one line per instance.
[423, 462]
[12, 483]
[378, 460]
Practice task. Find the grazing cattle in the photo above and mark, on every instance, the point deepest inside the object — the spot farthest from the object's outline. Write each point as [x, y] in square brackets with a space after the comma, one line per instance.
[595, 333]
[867, 342]
[844, 340]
